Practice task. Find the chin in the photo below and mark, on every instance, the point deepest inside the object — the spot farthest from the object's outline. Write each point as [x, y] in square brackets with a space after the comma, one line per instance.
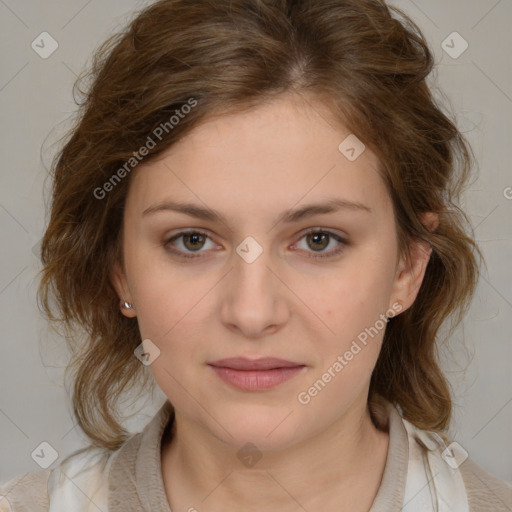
[265, 430]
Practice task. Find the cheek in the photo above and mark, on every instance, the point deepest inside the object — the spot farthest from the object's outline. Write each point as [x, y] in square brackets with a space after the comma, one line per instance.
[352, 297]
[167, 309]
[164, 293]
[172, 320]
[351, 305]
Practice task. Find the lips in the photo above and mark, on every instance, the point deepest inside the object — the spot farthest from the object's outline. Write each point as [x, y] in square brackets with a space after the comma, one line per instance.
[266, 363]
[256, 374]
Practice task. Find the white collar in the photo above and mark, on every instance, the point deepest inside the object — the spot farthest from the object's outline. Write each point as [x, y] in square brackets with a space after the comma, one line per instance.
[81, 483]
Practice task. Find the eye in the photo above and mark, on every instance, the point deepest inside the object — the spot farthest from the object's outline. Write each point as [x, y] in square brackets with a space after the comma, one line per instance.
[192, 241]
[185, 243]
[319, 239]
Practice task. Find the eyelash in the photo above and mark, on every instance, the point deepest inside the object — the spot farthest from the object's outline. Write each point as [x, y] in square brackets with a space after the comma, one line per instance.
[330, 254]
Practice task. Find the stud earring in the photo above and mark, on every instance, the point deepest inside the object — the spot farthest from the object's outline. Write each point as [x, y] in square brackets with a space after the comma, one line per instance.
[127, 305]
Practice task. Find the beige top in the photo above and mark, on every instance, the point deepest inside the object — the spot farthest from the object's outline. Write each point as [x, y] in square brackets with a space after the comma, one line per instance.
[135, 477]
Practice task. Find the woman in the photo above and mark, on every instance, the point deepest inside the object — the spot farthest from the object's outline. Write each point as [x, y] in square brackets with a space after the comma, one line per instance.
[258, 203]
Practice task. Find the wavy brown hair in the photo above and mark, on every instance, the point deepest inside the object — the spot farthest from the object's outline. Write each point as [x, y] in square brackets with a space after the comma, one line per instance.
[367, 61]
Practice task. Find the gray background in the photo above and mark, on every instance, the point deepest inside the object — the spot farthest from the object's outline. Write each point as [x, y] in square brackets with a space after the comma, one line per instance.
[36, 101]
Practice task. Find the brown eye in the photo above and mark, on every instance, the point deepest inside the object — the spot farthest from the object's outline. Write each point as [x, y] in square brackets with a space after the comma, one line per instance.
[193, 241]
[318, 240]
[186, 243]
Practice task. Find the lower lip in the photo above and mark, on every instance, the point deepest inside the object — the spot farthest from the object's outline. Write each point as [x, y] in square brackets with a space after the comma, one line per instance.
[256, 380]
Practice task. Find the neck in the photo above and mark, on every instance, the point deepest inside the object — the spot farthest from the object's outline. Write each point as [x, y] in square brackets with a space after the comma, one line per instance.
[344, 463]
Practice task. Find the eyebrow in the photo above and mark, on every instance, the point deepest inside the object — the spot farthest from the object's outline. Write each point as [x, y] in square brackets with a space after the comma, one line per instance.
[287, 217]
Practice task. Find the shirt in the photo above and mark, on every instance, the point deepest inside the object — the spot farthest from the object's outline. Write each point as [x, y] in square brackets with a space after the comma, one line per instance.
[129, 479]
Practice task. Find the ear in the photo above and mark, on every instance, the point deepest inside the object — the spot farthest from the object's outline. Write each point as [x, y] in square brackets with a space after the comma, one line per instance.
[120, 284]
[411, 271]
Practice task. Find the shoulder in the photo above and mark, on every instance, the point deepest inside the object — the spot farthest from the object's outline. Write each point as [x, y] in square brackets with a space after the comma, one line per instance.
[485, 491]
[81, 471]
[88, 473]
[455, 476]
[26, 492]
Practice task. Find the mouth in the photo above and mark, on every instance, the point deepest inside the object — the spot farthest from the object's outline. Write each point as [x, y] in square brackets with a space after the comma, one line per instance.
[255, 374]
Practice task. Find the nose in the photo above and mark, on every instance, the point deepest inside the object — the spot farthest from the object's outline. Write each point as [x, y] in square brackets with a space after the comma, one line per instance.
[254, 298]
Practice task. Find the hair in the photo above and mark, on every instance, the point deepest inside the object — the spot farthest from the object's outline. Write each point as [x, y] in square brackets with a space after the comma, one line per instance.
[366, 61]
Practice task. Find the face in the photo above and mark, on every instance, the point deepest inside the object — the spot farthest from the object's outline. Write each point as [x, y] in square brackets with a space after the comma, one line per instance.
[253, 282]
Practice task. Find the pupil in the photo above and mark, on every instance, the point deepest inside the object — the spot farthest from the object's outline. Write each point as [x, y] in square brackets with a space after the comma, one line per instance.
[319, 235]
[194, 238]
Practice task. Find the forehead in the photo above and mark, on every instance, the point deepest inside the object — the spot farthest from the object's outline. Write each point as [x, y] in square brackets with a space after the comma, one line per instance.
[276, 155]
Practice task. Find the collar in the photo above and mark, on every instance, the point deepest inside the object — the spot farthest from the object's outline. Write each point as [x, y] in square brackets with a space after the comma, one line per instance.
[135, 477]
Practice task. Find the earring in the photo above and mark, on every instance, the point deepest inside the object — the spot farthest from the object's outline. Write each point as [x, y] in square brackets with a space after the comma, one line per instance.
[389, 318]
[127, 305]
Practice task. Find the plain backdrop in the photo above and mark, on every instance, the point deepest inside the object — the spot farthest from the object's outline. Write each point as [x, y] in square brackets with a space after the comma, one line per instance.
[35, 102]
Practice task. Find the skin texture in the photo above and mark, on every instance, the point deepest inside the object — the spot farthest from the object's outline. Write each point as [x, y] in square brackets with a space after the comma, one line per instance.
[251, 167]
